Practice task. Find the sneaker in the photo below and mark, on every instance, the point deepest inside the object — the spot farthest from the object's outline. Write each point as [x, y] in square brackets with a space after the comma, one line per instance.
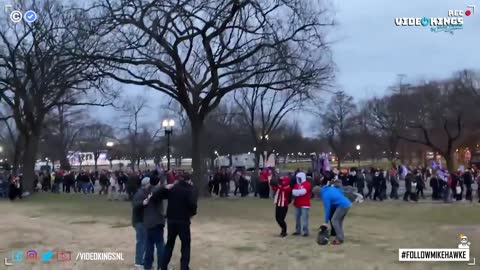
[305, 235]
[296, 233]
[283, 234]
[138, 267]
[336, 242]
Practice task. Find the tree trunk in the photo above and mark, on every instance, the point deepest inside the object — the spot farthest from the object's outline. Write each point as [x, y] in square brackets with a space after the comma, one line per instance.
[17, 154]
[339, 163]
[29, 159]
[198, 174]
[450, 160]
[65, 163]
[95, 164]
[257, 162]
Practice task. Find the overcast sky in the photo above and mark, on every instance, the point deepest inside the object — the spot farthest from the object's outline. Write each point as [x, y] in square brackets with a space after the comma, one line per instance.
[370, 51]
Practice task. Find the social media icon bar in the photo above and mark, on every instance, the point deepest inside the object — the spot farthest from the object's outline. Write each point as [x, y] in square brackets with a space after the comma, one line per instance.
[30, 16]
[64, 256]
[31, 256]
[17, 256]
[16, 16]
[46, 256]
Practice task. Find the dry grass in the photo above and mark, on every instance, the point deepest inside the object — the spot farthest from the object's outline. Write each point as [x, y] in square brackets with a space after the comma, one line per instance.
[239, 234]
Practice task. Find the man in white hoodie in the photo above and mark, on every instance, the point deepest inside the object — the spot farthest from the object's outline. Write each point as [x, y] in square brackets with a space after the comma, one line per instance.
[302, 191]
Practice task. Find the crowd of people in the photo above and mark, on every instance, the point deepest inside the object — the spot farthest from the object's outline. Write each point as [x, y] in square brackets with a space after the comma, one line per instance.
[372, 183]
[338, 189]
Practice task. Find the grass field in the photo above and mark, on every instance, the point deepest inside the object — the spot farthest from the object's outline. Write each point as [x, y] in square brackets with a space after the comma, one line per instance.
[239, 234]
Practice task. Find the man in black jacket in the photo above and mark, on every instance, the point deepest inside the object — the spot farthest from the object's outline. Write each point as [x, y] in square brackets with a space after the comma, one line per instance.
[182, 206]
[468, 181]
[84, 181]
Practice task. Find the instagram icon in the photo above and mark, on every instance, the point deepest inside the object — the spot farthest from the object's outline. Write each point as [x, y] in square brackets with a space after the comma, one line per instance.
[31, 256]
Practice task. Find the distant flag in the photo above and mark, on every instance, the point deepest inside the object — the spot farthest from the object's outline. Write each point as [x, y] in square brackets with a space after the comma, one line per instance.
[441, 171]
[325, 162]
[404, 171]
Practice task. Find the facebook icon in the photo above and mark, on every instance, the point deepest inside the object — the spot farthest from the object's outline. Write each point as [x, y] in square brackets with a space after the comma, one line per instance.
[17, 256]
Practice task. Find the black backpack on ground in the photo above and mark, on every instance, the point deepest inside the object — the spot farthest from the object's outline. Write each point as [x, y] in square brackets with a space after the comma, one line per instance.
[323, 236]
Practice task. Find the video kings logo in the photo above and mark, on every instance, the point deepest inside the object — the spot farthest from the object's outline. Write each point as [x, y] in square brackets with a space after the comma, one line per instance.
[453, 21]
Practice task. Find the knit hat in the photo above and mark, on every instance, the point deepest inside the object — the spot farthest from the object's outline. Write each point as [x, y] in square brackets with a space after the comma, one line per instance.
[301, 176]
[145, 181]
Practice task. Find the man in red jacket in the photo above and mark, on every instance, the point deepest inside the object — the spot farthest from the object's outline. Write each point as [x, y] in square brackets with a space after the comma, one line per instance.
[282, 194]
[302, 193]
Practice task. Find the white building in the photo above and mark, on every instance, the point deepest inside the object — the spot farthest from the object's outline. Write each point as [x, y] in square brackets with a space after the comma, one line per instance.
[243, 160]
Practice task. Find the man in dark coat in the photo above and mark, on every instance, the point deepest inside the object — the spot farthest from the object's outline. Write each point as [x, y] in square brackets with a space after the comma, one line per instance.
[352, 177]
[182, 206]
[132, 184]
[409, 184]
[104, 181]
[436, 187]
[468, 181]
[420, 184]
[394, 183]
[377, 182]
[360, 183]
[224, 180]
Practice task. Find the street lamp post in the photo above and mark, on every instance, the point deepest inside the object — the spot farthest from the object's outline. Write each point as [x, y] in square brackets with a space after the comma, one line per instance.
[358, 149]
[168, 124]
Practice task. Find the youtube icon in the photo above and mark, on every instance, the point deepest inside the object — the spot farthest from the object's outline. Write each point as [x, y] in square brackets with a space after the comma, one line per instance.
[64, 256]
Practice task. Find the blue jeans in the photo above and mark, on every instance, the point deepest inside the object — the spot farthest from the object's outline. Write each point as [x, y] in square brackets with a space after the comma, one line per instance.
[154, 239]
[301, 218]
[85, 187]
[140, 236]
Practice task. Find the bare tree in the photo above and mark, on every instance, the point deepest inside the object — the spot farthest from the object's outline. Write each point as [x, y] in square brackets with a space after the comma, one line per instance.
[10, 141]
[264, 109]
[338, 119]
[191, 50]
[434, 114]
[139, 140]
[63, 126]
[94, 138]
[40, 69]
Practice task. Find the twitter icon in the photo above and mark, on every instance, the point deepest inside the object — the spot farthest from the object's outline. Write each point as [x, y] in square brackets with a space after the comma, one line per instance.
[46, 256]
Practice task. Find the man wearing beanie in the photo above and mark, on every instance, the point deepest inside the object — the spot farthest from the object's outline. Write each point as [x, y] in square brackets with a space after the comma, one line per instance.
[137, 221]
[301, 191]
[182, 206]
[154, 221]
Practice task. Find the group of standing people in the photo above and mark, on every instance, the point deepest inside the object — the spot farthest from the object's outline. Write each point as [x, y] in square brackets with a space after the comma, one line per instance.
[149, 219]
[106, 182]
[219, 182]
[373, 183]
[297, 190]
[11, 186]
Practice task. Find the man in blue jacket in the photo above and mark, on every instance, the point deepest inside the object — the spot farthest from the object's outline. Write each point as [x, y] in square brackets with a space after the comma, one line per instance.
[333, 197]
